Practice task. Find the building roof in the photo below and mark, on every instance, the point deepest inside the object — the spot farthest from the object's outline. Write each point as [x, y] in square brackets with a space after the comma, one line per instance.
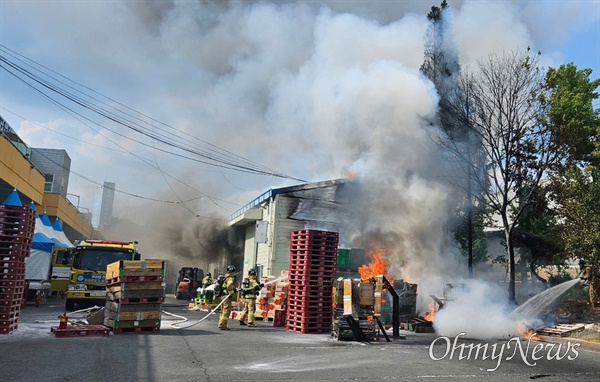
[266, 196]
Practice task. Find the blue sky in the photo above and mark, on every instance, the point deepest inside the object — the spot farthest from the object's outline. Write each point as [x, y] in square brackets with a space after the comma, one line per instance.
[310, 89]
[583, 46]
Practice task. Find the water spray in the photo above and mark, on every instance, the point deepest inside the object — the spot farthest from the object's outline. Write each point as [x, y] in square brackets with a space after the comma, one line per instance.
[276, 280]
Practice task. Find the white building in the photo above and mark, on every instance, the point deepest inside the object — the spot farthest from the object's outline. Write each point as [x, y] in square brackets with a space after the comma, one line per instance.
[270, 218]
[103, 205]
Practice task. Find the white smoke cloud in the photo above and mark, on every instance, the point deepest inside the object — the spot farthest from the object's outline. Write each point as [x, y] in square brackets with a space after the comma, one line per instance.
[479, 310]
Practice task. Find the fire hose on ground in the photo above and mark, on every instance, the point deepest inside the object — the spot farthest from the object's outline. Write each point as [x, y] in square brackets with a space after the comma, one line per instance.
[176, 324]
[184, 319]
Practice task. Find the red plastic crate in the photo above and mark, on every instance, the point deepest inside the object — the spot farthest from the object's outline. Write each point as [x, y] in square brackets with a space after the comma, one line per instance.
[304, 319]
[12, 264]
[9, 329]
[307, 302]
[12, 289]
[14, 239]
[314, 233]
[309, 289]
[304, 314]
[10, 292]
[312, 260]
[308, 329]
[17, 227]
[10, 301]
[18, 249]
[309, 280]
[15, 276]
[8, 322]
[10, 308]
[300, 266]
[321, 272]
[314, 292]
[11, 257]
[8, 316]
[319, 245]
[8, 273]
[313, 254]
[12, 283]
[15, 212]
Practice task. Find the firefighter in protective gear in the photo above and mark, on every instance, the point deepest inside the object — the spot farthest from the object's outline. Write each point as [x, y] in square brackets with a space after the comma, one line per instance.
[207, 280]
[250, 290]
[228, 293]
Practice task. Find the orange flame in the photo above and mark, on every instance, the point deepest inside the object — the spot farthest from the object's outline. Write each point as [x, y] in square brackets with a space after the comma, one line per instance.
[526, 332]
[378, 265]
[430, 314]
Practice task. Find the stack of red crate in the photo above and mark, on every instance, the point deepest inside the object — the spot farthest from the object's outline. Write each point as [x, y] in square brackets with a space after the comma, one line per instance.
[313, 265]
[17, 226]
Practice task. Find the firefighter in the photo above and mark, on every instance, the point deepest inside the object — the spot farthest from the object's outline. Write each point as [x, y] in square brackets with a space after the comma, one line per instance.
[590, 275]
[227, 293]
[250, 290]
[207, 280]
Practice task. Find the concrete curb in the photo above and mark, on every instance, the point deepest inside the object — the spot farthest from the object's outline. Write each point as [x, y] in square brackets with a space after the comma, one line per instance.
[583, 344]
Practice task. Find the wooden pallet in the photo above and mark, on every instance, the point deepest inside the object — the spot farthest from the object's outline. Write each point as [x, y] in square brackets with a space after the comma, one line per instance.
[80, 331]
[137, 330]
[139, 315]
[124, 324]
[561, 330]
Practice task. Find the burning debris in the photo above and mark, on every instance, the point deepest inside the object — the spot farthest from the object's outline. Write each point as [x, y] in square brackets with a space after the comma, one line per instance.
[378, 266]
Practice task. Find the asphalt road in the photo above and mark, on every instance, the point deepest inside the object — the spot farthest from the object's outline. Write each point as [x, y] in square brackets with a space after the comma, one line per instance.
[204, 353]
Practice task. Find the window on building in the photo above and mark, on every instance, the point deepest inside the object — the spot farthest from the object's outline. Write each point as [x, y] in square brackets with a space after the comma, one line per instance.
[49, 181]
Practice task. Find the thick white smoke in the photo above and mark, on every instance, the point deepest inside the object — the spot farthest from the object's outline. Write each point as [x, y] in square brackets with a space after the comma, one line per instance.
[479, 310]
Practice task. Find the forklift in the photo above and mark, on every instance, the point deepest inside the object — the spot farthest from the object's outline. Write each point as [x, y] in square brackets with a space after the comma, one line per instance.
[188, 281]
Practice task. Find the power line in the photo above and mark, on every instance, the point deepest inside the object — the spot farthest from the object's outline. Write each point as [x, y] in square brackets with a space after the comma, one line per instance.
[125, 151]
[180, 202]
[212, 154]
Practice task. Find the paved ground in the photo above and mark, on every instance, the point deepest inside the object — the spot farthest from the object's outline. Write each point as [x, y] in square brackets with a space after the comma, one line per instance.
[267, 353]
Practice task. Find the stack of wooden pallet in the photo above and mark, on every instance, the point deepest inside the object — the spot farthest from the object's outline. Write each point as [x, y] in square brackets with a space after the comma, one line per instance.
[354, 299]
[135, 291]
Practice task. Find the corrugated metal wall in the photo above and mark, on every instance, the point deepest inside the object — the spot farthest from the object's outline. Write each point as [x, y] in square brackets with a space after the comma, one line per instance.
[284, 206]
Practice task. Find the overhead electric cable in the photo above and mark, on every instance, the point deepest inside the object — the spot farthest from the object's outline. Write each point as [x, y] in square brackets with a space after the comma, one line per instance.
[125, 151]
[216, 156]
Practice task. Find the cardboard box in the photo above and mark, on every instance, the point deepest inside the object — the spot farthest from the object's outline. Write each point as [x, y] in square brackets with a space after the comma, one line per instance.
[135, 268]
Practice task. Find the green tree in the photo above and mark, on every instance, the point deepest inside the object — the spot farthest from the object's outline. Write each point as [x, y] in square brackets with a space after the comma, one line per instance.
[575, 179]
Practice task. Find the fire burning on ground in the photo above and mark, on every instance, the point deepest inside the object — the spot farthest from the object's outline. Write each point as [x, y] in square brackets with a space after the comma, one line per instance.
[378, 266]
[429, 316]
[526, 332]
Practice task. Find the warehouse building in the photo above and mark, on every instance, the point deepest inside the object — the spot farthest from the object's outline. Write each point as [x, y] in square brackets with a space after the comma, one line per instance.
[269, 219]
